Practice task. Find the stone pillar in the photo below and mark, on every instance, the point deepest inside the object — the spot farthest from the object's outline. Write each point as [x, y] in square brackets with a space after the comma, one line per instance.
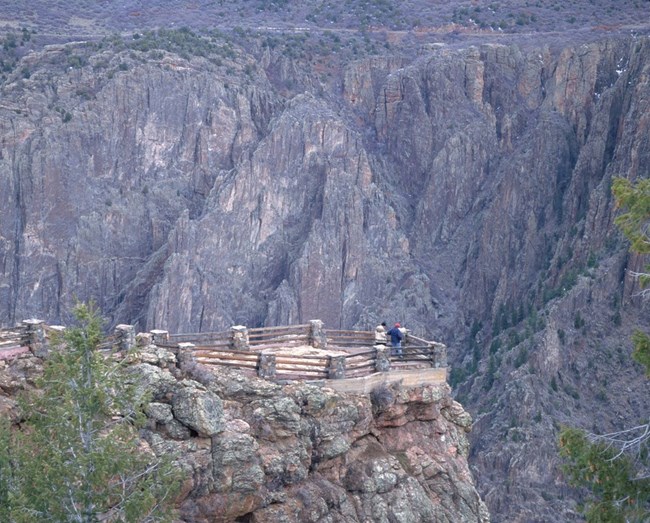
[143, 339]
[185, 347]
[35, 337]
[185, 354]
[266, 366]
[239, 338]
[336, 368]
[124, 337]
[159, 336]
[317, 336]
[439, 355]
[382, 361]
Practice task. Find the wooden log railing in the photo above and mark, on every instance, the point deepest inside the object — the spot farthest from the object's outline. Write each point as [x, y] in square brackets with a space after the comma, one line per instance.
[287, 366]
[304, 367]
[361, 363]
[268, 352]
[13, 338]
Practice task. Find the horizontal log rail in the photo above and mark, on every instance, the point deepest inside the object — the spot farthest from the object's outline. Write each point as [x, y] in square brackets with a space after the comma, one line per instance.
[264, 344]
[212, 344]
[345, 336]
[364, 365]
[199, 336]
[302, 326]
[11, 343]
[235, 364]
[290, 358]
[360, 354]
[300, 377]
[223, 355]
[350, 343]
[274, 335]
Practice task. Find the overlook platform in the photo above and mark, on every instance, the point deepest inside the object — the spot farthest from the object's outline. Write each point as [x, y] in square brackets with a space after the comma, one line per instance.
[345, 360]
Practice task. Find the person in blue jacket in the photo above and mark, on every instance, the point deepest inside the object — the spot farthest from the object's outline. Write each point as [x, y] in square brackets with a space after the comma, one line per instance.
[396, 340]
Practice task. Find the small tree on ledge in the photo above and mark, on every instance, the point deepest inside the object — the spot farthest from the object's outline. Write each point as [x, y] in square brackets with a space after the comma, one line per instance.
[77, 456]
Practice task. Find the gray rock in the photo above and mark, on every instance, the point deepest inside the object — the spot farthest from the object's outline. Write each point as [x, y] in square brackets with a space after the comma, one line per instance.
[199, 410]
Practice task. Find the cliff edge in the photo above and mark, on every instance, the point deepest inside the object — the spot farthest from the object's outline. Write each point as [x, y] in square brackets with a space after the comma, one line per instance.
[258, 451]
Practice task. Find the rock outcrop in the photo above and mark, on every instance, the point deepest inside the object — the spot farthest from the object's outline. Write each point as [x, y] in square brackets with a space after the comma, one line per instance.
[257, 451]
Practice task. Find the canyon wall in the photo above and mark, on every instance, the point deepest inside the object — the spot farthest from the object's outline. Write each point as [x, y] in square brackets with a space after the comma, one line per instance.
[464, 190]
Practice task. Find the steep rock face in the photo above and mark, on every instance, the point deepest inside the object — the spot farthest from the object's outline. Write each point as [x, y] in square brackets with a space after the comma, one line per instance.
[209, 202]
[91, 194]
[263, 452]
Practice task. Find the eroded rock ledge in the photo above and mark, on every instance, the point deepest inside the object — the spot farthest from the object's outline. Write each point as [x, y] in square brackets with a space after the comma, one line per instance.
[258, 451]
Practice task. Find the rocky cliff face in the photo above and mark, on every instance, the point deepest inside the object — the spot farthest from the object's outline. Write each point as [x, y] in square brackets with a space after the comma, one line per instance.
[257, 451]
[207, 198]
[464, 191]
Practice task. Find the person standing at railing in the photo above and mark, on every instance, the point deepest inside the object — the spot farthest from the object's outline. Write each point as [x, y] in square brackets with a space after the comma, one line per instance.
[396, 340]
[380, 334]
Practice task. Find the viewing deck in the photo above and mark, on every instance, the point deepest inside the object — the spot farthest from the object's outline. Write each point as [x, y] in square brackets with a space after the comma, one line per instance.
[345, 360]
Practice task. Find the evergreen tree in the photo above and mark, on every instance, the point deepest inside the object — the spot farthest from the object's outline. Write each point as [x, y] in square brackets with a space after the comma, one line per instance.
[78, 457]
[615, 467]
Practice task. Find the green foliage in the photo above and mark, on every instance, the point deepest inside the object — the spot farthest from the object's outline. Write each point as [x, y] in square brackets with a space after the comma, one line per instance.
[641, 352]
[619, 495]
[491, 373]
[521, 358]
[634, 223]
[635, 198]
[77, 455]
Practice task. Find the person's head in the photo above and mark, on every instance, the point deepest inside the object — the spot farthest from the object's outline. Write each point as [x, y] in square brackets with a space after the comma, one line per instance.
[383, 323]
[397, 325]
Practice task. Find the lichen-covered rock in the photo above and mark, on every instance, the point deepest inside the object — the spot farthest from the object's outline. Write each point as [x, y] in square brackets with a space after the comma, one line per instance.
[152, 380]
[197, 408]
[302, 453]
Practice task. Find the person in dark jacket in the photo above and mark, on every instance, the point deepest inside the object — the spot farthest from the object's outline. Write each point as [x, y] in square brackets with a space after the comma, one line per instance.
[396, 340]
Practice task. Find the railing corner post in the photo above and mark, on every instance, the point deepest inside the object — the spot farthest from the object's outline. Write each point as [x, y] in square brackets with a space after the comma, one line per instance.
[239, 338]
[382, 358]
[185, 354]
[143, 339]
[185, 347]
[439, 355]
[266, 366]
[317, 336]
[336, 368]
[35, 337]
[159, 336]
[124, 337]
